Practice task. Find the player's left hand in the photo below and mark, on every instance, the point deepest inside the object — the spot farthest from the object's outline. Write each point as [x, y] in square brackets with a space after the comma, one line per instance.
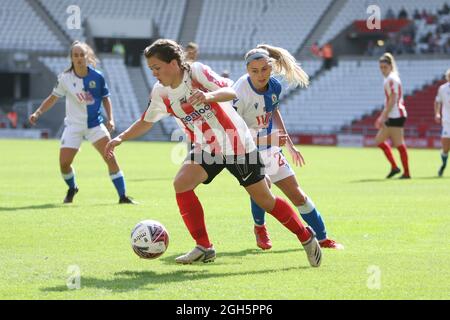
[297, 157]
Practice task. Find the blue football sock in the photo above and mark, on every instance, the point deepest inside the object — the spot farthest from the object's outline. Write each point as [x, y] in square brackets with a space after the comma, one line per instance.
[259, 214]
[69, 178]
[119, 182]
[312, 216]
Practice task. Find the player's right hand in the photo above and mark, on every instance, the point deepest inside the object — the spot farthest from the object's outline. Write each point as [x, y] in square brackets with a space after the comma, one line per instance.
[33, 118]
[109, 149]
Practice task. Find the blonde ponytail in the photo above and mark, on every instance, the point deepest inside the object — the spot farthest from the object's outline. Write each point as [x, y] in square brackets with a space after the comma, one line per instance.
[90, 54]
[389, 59]
[284, 64]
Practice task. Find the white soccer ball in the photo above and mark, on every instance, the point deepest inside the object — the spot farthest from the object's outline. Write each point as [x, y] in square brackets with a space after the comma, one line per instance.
[149, 239]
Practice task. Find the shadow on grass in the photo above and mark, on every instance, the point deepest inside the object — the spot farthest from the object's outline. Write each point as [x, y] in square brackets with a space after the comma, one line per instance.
[52, 206]
[243, 253]
[369, 180]
[133, 280]
[34, 207]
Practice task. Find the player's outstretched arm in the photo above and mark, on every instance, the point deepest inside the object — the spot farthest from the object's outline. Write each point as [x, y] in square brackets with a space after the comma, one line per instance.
[44, 107]
[137, 129]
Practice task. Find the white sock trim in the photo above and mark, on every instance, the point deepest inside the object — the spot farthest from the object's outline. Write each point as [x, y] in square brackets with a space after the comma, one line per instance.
[116, 175]
[68, 175]
[307, 208]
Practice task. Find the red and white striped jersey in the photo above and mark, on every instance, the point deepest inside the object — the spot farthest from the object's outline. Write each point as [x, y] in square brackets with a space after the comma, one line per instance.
[216, 127]
[393, 84]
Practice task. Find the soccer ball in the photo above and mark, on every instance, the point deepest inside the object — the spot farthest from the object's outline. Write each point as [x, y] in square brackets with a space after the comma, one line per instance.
[149, 239]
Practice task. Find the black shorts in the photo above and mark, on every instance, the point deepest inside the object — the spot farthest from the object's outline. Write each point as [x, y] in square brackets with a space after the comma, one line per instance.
[395, 122]
[248, 168]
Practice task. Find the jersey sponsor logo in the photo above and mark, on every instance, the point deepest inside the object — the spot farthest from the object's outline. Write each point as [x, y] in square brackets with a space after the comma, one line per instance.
[205, 112]
[85, 97]
[263, 121]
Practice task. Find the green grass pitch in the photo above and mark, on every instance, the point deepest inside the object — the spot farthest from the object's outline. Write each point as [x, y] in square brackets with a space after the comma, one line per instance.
[395, 232]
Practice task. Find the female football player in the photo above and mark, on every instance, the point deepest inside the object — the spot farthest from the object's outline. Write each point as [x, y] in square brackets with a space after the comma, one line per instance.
[442, 116]
[257, 102]
[392, 119]
[85, 90]
[196, 96]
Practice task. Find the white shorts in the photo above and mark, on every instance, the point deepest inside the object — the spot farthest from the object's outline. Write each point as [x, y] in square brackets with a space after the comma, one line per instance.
[445, 130]
[276, 165]
[73, 135]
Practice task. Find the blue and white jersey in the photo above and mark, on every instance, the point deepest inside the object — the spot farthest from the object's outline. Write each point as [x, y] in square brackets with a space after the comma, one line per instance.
[256, 108]
[443, 96]
[83, 97]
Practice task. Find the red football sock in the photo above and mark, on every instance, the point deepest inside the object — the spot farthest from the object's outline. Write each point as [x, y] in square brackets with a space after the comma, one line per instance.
[289, 218]
[388, 152]
[404, 156]
[192, 213]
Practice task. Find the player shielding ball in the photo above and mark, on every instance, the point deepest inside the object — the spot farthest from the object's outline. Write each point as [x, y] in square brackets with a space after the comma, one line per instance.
[198, 99]
[393, 117]
[442, 116]
[85, 90]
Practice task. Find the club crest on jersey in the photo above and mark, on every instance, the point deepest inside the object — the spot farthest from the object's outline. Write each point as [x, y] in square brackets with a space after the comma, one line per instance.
[274, 99]
[256, 106]
[92, 85]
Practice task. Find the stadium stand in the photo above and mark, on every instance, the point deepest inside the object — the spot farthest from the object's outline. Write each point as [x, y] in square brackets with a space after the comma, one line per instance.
[351, 90]
[420, 108]
[243, 24]
[357, 10]
[34, 35]
[167, 15]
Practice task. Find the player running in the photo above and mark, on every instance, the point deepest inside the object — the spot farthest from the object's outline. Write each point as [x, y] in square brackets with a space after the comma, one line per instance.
[392, 120]
[196, 96]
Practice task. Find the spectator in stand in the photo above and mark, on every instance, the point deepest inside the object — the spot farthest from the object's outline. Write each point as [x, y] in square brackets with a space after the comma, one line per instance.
[327, 54]
[389, 14]
[403, 14]
[445, 10]
[417, 15]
